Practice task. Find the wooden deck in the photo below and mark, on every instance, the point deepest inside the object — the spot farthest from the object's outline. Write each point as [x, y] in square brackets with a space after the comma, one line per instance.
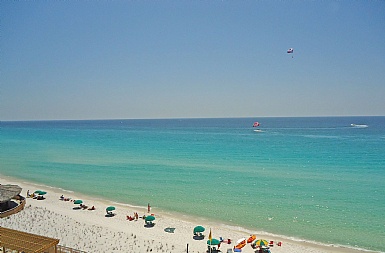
[18, 241]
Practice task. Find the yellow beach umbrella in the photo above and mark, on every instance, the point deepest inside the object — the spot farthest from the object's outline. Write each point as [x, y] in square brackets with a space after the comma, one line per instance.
[261, 242]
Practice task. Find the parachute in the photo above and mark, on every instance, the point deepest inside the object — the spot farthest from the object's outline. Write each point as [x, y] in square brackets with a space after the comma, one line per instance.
[290, 51]
[256, 124]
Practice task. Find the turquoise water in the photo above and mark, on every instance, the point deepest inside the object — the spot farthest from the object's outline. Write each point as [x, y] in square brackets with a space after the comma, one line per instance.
[317, 179]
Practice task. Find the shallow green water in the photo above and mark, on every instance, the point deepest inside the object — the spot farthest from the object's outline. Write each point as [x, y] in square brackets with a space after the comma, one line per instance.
[317, 179]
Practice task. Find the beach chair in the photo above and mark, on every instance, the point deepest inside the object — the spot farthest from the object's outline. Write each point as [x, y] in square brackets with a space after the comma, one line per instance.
[222, 240]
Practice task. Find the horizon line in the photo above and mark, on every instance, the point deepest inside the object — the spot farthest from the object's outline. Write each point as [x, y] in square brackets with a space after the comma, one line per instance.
[187, 118]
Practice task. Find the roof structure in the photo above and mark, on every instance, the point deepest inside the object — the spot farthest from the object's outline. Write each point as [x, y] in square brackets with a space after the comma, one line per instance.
[8, 191]
[25, 242]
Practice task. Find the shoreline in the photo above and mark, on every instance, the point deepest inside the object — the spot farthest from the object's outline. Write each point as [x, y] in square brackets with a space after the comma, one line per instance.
[91, 231]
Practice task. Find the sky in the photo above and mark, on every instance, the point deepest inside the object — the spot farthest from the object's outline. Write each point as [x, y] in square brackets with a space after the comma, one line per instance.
[75, 60]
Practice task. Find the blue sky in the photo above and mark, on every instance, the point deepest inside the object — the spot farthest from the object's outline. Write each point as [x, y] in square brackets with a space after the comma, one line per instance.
[181, 59]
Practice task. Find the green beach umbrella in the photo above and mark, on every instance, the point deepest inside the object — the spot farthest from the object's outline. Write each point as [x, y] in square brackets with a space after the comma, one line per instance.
[213, 242]
[110, 208]
[78, 201]
[42, 193]
[261, 242]
[37, 191]
[199, 229]
[149, 218]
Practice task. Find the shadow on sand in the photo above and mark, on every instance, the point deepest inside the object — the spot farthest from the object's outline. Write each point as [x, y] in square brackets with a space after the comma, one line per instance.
[198, 237]
[149, 225]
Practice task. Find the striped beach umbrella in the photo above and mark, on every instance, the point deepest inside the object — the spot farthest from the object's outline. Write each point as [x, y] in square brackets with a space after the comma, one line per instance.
[261, 242]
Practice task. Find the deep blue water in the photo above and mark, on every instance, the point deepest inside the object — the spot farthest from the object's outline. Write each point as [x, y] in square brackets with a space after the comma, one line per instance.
[317, 179]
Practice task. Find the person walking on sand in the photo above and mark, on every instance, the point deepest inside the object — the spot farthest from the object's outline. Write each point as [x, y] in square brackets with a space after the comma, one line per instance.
[148, 208]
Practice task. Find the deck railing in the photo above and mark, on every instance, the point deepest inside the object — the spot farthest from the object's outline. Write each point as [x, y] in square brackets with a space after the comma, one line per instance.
[63, 249]
[14, 210]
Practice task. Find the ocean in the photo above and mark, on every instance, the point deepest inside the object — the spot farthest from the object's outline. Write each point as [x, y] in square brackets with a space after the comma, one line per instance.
[317, 179]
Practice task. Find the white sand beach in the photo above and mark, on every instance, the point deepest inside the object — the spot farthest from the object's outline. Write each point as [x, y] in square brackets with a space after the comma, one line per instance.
[92, 231]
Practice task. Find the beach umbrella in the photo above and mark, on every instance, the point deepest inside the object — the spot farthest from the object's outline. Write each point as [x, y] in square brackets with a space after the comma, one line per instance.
[110, 208]
[149, 218]
[37, 191]
[78, 201]
[199, 229]
[213, 242]
[42, 193]
[261, 242]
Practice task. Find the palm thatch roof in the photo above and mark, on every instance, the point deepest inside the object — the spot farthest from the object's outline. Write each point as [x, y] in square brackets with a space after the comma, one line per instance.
[8, 191]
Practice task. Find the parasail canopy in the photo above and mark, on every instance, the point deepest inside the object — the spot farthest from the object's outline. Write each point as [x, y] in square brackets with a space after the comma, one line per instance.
[256, 124]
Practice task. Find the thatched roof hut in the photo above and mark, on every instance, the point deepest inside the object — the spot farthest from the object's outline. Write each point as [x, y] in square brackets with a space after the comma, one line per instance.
[8, 191]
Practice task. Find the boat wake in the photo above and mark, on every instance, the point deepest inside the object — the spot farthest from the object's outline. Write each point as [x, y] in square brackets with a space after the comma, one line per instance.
[359, 125]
